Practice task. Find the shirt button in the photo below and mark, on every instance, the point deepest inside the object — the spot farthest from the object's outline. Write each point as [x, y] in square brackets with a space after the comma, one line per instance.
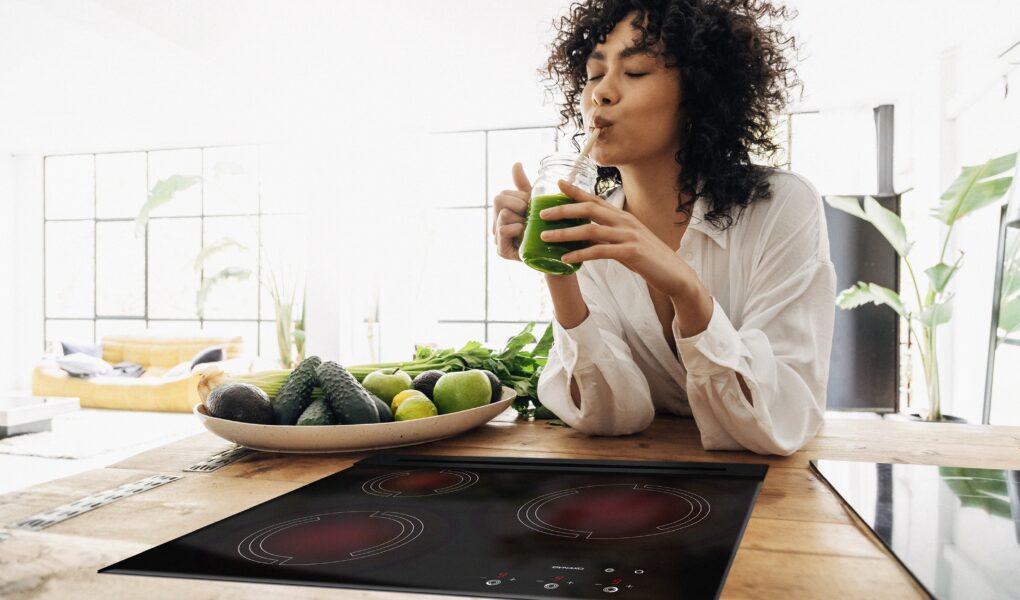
[689, 255]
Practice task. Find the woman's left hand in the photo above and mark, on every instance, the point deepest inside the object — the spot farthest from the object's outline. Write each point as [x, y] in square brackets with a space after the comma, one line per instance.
[619, 235]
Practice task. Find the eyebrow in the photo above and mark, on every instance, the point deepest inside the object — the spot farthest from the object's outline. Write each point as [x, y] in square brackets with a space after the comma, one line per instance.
[625, 53]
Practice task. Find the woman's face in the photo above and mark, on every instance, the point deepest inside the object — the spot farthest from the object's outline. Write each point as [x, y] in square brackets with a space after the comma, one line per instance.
[635, 99]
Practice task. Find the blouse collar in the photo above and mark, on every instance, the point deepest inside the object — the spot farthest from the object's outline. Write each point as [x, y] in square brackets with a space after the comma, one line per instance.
[698, 222]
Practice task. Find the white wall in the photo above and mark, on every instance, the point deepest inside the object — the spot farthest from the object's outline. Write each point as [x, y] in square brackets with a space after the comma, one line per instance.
[28, 182]
[8, 294]
[20, 269]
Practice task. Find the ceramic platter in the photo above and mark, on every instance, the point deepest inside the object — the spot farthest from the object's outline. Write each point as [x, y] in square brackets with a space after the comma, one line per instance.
[352, 438]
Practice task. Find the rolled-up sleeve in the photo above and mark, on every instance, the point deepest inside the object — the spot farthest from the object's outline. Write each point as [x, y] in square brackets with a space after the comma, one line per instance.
[781, 349]
[615, 398]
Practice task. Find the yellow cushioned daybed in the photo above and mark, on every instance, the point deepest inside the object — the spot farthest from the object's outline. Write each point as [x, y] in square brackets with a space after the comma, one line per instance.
[157, 354]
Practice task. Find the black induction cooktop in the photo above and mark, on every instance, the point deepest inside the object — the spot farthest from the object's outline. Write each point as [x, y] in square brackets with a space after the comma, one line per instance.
[955, 529]
[484, 527]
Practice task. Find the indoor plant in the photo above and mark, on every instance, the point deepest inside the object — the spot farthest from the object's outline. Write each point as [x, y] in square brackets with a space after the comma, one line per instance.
[286, 290]
[976, 187]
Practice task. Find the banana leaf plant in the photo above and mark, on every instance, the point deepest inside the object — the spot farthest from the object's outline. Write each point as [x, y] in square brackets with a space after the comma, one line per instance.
[1009, 298]
[928, 308]
[983, 489]
[286, 293]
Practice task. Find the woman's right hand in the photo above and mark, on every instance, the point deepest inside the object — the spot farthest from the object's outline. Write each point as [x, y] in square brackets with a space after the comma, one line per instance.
[510, 210]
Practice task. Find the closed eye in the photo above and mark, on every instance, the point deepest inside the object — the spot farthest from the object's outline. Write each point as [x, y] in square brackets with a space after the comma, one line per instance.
[636, 75]
[595, 77]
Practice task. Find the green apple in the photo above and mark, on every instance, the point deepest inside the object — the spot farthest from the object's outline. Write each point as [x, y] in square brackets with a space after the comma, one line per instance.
[415, 407]
[387, 383]
[461, 390]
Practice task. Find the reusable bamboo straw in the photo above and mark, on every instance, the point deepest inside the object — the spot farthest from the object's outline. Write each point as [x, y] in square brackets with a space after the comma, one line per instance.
[584, 154]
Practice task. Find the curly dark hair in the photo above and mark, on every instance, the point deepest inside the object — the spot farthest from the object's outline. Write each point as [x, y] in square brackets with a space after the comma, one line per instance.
[735, 75]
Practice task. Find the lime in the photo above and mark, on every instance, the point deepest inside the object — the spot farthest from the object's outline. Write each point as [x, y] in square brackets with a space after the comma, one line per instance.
[416, 407]
[404, 395]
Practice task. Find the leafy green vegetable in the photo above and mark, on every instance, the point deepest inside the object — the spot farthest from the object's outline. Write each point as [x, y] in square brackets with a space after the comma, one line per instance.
[514, 365]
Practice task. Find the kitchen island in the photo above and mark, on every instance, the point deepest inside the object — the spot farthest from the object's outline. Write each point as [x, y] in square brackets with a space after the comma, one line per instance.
[801, 541]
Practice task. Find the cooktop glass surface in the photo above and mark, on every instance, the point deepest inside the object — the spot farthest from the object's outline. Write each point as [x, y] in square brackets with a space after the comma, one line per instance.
[957, 530]
[492, 527]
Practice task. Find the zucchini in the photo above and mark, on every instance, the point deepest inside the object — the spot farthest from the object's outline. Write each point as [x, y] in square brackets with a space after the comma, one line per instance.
[296, 393]
[351, 403]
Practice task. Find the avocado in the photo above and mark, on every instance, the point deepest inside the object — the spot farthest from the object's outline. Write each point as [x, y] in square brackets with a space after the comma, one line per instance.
[426, 382]
[240, 402]
[497, 387]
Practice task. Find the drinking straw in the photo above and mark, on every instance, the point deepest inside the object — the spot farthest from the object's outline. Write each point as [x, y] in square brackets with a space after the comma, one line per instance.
[584, 154]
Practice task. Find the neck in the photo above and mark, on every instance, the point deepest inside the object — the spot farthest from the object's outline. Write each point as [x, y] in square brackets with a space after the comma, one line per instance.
[650, 189]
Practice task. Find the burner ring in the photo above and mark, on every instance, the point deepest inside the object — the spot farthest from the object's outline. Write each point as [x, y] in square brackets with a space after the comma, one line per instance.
[253, 547]
[528, 514]
[425, 482]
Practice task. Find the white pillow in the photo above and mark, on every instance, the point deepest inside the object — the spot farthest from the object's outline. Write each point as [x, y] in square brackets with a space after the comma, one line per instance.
[180, 370]
[80, 364]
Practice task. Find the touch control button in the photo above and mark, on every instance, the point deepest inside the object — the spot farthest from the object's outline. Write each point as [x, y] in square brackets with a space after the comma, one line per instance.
[493, 582]
[639, 572]
[551, 586]
[610, 570]
[610, 589]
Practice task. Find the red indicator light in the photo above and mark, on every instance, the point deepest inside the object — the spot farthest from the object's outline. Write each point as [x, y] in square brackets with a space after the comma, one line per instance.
[502, 575]
[559, 578]
[617, 581]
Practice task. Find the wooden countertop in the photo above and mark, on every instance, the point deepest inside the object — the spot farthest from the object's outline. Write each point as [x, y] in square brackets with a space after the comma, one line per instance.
[801, 541]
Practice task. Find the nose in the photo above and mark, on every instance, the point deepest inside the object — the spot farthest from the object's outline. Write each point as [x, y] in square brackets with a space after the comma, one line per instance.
[603, 94]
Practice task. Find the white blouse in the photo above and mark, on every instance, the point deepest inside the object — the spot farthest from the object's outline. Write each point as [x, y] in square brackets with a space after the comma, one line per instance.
[773, 288]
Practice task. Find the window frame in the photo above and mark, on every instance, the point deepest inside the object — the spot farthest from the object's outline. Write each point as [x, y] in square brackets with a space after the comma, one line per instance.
[146, 318]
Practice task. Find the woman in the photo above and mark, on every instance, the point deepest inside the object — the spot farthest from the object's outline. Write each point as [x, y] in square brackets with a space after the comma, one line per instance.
[707, 289]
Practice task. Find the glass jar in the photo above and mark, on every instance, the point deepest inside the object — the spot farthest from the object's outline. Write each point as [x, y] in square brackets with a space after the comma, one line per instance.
[545, 193]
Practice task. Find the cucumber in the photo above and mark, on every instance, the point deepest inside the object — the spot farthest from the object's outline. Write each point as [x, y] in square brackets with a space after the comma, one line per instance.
[296, 393]
[351, 403]
[385, 413]
[317, 413]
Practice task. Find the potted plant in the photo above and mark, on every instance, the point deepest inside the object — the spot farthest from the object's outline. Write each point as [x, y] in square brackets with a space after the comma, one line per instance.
[975, 188]
[286, 292]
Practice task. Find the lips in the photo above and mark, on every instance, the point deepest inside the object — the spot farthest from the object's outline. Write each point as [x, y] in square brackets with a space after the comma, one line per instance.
[600, 123]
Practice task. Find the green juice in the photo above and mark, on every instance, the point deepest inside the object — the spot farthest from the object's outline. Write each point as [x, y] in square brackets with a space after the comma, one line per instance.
[545, 256]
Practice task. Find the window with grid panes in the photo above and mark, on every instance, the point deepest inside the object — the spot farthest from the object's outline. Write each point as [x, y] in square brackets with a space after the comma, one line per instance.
[496, 297]
[103, 275]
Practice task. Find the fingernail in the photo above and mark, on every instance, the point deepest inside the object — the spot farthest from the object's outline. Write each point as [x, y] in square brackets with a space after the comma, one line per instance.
[544, 235]
[543, 213]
